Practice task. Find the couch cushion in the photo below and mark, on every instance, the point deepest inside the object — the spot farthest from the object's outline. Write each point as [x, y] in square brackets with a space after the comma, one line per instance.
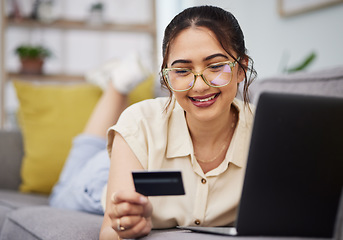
[50, 116]
[14, 199]
[328, 82]
[19, 233]
[43, 222]
[11, 200]
[3, 214]
[11, 154]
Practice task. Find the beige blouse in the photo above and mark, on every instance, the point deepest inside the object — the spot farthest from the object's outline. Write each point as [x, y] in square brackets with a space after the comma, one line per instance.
[161, 141]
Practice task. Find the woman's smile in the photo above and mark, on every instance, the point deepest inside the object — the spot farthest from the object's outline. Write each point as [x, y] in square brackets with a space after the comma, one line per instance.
[204, 101]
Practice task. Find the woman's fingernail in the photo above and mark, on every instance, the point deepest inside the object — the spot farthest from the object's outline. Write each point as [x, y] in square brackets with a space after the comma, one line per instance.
[113, 196]
[143, 200]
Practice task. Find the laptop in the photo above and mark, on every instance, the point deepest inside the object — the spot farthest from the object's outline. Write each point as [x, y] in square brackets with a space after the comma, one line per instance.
[294, 173]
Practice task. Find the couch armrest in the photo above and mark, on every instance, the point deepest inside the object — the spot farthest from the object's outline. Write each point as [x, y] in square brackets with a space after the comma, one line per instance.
[11, 154]
[327, 82]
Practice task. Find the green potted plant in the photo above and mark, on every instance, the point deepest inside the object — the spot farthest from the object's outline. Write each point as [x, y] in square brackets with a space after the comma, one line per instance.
[96, 14]
[32, 58]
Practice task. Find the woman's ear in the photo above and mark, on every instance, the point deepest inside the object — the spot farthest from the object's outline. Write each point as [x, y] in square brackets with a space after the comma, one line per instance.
[241, 73]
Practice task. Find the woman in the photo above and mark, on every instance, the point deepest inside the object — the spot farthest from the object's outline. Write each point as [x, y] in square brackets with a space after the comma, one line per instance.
[201, 130]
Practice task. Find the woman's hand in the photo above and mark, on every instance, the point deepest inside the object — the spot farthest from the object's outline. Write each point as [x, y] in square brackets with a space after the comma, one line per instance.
[130, 214]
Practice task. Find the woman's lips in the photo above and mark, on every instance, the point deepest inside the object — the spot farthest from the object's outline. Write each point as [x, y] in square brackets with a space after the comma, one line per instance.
[204, 101]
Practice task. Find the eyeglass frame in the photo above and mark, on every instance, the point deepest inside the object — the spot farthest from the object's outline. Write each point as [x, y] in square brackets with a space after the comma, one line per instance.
[230, 63]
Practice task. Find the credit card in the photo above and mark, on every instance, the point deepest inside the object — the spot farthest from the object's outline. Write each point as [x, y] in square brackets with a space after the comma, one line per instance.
[158, 183]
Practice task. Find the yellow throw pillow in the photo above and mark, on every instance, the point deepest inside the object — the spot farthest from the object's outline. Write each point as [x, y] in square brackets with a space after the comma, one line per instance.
[50, 116]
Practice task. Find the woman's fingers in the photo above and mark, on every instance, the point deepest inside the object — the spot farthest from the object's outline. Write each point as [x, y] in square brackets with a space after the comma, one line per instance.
[125, 223]
[129, 222]
[130, 203]
[141, 228]
[129, 196]
[127, 209]
[130, 213]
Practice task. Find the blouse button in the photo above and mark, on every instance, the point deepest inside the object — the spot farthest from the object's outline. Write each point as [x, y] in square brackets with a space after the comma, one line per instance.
[197, 222]
[203, 181]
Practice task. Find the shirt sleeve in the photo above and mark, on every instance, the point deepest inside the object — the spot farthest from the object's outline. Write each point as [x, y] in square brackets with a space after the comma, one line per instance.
[132, 127]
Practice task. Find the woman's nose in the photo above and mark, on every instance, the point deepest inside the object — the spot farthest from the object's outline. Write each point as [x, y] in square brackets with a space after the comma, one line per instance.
[200, 84]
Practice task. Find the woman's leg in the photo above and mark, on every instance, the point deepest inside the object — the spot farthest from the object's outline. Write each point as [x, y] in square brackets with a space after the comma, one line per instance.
[86, 169]
[93, 139]
[106, 113]
[83, 177]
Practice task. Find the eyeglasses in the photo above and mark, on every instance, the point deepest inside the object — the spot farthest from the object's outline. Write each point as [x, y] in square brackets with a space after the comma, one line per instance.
[215, 75]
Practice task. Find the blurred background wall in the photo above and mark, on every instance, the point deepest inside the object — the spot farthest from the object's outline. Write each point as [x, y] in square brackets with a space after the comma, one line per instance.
[76, 51]
[275, 42]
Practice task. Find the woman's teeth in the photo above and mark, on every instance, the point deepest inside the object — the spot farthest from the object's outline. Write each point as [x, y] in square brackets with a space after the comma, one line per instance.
[205, 99]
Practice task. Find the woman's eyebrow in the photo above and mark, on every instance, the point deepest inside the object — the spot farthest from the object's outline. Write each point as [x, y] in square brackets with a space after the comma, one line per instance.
[205, 59]
[180, 61]
[214, 56]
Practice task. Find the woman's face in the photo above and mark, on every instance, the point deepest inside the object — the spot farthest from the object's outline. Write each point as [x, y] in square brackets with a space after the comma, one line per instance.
[196, 48]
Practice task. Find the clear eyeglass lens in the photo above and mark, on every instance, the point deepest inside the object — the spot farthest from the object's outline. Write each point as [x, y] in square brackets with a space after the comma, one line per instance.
[216, 75]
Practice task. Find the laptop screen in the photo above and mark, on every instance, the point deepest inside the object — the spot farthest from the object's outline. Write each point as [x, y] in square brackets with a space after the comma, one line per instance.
[294, 173]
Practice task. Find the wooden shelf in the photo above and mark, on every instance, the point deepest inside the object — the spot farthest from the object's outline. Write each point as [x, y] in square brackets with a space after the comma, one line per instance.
[82, 25]
[64, 25]
[47, 77]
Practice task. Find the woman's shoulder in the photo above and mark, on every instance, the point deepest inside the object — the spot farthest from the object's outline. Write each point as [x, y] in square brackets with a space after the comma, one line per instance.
[159, 102]
[147, 110]
[148, 107]
[246, 110]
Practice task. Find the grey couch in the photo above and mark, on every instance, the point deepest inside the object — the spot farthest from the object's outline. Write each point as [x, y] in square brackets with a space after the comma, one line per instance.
[28, 216]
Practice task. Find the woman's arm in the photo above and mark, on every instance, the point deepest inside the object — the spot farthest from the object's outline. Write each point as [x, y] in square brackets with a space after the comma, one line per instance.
[124, 206]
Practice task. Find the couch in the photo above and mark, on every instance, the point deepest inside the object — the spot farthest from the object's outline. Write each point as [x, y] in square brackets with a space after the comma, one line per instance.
[28, 216]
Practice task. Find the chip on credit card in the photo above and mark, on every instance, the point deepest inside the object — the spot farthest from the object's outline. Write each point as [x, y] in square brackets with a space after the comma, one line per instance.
[158, 183]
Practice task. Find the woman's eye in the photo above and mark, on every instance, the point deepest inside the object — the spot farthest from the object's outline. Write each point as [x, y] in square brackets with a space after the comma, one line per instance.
[182, 72]
[216, 67]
